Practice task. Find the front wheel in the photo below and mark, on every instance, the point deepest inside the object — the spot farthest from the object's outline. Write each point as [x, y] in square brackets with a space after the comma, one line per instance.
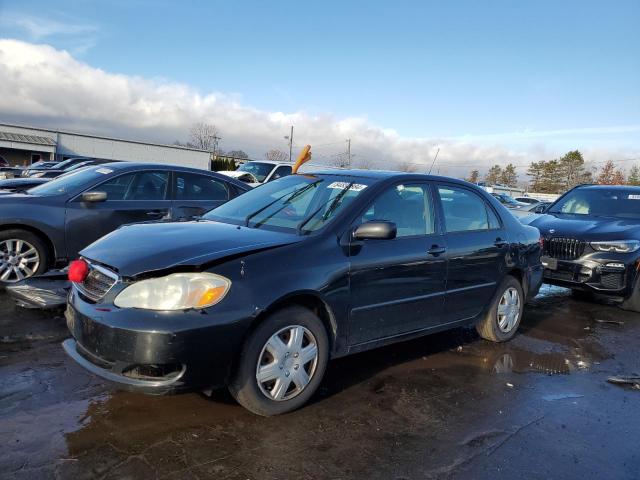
[282, 363]
[503, 317]
[22, 255]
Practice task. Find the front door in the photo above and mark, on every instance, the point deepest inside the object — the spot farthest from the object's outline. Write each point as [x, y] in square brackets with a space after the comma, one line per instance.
[131, 198]
[397, 286]
[476, 246]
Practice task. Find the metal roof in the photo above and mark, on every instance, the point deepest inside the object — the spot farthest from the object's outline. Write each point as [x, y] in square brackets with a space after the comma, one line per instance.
[21, 138]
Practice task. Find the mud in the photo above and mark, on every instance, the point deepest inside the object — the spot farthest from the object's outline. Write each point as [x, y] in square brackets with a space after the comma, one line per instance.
[446, 406]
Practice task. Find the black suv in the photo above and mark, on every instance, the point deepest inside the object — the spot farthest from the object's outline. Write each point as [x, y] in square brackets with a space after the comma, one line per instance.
[592, 242]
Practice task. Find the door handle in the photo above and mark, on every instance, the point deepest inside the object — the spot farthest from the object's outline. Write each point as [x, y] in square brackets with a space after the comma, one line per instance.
[435, 250]
[500, 242]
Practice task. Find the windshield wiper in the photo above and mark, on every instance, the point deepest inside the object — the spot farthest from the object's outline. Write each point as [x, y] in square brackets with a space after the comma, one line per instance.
[293, 195]
[329, 211]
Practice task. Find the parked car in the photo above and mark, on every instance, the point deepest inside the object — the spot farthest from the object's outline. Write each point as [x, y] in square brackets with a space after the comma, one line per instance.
[528, 200]
[21, 184]
[508, 201]
[47, 225]
[35, 169]
[259, 293]
[592, 242]
[3, 162]
[531, 209]
[56, 172]
[257, 173]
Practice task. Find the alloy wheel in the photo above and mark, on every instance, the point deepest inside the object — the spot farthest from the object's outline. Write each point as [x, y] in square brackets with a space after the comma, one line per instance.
[508, 310]
[19, 259]
[287, 363]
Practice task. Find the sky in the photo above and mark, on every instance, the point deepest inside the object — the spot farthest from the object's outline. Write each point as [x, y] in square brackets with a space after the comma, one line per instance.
[482, 81]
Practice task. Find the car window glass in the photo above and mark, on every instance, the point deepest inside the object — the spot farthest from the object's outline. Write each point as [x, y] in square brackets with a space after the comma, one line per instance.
[281, 171]
[136, 186]
[408, 206]
[190, 186]
[463, 210]
[493, 218]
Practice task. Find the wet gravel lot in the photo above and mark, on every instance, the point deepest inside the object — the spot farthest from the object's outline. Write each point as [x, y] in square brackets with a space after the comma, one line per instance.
[445, 406]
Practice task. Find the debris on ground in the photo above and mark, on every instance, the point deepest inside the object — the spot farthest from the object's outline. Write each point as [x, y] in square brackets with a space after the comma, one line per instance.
[561, 396]
[633, 381]
[610, 322]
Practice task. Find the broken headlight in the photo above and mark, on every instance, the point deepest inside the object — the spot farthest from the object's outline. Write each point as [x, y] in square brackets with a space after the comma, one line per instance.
[178, 291]
[618, 246]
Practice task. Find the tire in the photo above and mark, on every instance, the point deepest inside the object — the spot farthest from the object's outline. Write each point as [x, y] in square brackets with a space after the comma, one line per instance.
[496, 329]
[279, 390]
[633, 302]
[22, 255]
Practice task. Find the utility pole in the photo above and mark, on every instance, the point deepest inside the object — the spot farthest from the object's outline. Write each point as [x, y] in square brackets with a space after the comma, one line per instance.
[290, 137]
[349, 152]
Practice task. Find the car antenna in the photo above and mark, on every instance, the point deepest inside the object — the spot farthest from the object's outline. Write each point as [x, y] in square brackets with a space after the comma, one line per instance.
[304, 157]
[434, 161]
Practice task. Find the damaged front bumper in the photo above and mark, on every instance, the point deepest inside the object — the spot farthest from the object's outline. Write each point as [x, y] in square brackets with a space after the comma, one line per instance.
[152, 352]
[614, 277]
[47, 291]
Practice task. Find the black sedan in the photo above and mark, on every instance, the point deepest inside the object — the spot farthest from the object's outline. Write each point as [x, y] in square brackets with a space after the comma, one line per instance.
[592, 242]
[49, 224]
[259, 293]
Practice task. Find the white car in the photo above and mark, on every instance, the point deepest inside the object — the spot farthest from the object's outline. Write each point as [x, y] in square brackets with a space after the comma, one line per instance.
[263, 171]
[257, 173]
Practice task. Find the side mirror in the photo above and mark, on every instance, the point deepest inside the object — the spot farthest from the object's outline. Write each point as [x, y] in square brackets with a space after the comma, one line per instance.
[376, 230]
[540, 209]
[93, 197]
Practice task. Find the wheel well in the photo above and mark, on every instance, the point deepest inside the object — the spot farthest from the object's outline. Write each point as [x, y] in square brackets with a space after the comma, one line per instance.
[519, 275]
[39, 233]
[310, 302]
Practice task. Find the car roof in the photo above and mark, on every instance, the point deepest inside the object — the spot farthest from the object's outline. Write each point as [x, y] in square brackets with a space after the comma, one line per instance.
[384, 174]
[609, 187]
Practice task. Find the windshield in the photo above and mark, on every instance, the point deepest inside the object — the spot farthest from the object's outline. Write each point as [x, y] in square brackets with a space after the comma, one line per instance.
[296, 203]
[258, 169]
[70, 181]
[506, 199]
[601, 202]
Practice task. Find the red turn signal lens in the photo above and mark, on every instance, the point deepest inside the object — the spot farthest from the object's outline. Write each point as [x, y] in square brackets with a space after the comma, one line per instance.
[78, 271]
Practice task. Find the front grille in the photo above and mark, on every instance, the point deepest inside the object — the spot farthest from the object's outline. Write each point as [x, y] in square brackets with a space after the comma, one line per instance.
[98, 282]
[612, 281]
[564, 248]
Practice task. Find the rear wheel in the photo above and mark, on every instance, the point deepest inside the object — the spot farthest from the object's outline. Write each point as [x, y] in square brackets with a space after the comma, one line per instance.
[282, 363]
[22, 255]
[503, 317]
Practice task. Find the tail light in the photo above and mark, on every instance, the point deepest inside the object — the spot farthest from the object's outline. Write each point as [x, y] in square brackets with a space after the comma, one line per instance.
[78, 271]
[541, 242]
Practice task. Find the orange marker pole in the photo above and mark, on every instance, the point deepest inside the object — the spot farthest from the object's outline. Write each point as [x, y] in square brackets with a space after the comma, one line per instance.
[304, 157]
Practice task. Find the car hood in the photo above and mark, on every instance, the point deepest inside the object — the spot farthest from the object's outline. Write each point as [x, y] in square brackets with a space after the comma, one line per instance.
[142, 248]
[588, 228]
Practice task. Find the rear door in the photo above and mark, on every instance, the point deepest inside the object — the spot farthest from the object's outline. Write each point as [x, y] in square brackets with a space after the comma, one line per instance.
[131, 197]
[397, 286]
[476, 246]
[195, 194]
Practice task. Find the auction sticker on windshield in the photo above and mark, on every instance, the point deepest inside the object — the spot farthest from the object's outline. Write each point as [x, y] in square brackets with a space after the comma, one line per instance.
[634, 197]
[357, 187]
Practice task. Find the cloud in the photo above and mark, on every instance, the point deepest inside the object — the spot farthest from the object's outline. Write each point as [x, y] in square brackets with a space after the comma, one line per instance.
[38, 28]
[46, 86]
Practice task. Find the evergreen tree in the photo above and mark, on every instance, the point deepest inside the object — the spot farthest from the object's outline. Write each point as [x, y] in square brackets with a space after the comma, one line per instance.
[634, 176]
[509, 176]
[493, 175]
[474, 176]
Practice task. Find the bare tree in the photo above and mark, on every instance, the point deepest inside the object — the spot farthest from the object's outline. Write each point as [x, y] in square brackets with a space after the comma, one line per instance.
[276, 155]
[204, 136]
[364, 163]
[406, 166]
